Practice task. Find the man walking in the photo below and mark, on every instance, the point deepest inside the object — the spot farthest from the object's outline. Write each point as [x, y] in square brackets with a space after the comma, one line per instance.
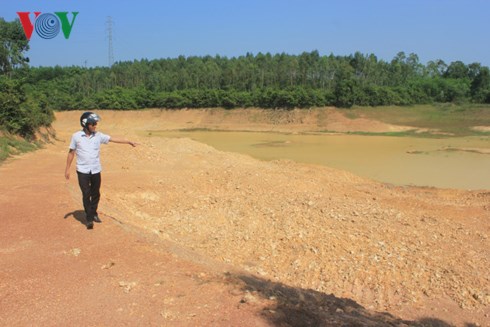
[86, 144]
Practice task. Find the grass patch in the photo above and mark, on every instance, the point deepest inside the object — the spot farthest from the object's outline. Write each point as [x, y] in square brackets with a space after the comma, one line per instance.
[454, 119]
[409, 133]
[398, 134]
[12, 146]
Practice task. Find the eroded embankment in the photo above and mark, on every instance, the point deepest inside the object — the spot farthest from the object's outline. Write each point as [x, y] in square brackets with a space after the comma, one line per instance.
[290, 121]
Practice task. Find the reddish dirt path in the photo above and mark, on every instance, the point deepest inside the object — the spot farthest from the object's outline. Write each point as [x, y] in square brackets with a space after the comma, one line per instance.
[55, 272]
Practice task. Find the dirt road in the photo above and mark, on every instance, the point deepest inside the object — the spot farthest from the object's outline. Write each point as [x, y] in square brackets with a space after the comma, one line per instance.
[193, 236]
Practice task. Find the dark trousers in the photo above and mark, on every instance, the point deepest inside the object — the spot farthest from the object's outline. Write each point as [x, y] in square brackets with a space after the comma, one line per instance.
[90, 186]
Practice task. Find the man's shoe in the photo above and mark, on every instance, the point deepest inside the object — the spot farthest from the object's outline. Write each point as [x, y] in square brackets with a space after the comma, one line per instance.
[97, 219]
[90, 225]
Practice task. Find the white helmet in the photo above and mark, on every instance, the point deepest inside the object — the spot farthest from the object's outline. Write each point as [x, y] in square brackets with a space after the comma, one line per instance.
[89, 118]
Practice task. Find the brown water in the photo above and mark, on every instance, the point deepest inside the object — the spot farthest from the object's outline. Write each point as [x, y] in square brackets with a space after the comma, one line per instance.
[446, 163]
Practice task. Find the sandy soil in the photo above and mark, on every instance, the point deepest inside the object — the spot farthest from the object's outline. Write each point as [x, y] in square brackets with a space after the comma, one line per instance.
[482, 128]
[194, 236]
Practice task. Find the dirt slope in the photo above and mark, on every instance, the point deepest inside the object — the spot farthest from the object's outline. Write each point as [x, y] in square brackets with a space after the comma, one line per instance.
[194, 236]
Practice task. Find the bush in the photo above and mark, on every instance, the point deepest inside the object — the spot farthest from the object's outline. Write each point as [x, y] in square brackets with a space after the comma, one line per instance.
[116, 98]
[13, 118]
[11, 145]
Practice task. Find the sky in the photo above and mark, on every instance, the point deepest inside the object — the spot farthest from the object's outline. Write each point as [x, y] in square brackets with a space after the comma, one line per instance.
[450, 30]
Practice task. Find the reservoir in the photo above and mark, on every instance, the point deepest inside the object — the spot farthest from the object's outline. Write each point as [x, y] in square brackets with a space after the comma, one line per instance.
[462, 163]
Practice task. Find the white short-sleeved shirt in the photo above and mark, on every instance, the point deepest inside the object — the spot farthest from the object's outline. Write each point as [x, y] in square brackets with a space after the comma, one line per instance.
[88, 151]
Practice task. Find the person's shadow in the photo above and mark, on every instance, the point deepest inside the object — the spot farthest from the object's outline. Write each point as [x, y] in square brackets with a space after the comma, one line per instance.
[78, 215]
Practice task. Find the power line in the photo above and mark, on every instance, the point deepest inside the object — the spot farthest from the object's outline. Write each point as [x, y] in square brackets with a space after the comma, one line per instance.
[109, 23]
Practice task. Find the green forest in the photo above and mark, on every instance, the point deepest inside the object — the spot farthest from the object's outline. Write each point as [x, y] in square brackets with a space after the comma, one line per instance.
[260, 80]
[30, 94]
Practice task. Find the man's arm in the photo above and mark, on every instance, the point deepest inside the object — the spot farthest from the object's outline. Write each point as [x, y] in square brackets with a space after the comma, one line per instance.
[69, 160]
[123, 141]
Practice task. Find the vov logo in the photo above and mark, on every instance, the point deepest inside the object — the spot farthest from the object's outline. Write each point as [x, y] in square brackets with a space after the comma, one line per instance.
[47, 25]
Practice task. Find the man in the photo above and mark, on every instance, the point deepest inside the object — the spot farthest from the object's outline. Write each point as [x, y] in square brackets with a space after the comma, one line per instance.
[86, 144]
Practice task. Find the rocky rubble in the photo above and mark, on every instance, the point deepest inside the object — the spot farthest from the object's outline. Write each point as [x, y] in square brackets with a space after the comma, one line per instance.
[313, 227]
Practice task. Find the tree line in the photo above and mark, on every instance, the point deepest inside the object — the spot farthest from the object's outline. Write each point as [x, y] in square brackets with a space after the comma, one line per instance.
[21, 112]
[260, 80]
[29, 94]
